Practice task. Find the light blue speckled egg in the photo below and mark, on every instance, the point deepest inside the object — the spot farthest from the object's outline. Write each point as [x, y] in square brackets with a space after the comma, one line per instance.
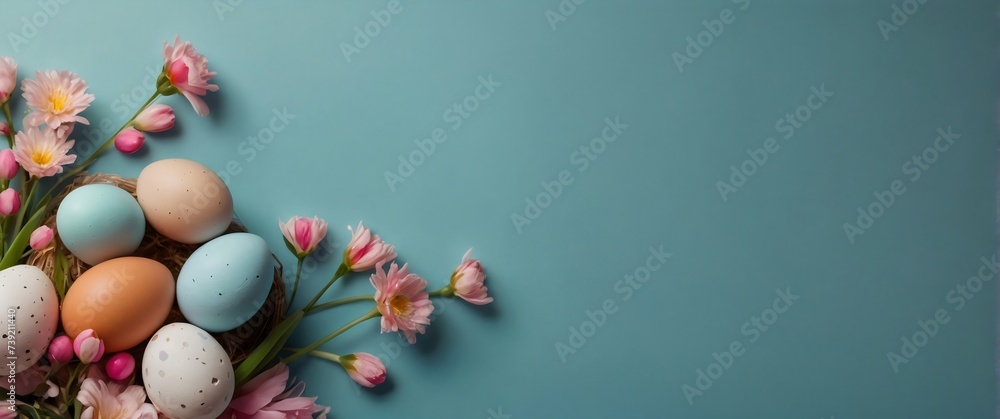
[99, 222]
[225, 282]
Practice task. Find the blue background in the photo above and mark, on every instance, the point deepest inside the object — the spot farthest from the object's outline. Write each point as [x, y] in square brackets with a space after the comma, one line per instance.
[656, 185]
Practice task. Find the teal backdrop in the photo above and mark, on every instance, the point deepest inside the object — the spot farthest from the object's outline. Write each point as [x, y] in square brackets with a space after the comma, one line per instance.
[686, 209]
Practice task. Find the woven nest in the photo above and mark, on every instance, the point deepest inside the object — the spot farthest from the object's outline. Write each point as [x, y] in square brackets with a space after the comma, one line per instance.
[237, 342]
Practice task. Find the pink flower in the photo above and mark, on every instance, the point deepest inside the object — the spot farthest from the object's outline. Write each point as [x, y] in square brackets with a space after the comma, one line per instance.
[88, 347]
[155, 118]
[4, 129]
[265, 397]
[8, 78]
[187, 71]
[302, 235]
[120, 366]
[60, 350]
[41, 237]
[55, 98]
[364, 368]
[400, 297]
[113, 400]
[8, 164]
[7, 413]
[30, 381]
[42, 153]
[365, 250]
[129, 140]
[10, 202]
[467, 281]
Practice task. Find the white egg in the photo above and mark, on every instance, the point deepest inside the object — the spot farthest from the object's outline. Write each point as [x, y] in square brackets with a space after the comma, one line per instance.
[31, 315]
[186, 372]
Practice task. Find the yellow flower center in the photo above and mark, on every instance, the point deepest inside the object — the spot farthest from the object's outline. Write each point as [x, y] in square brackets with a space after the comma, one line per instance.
[400, 306]
[58, 100]
[42, 157]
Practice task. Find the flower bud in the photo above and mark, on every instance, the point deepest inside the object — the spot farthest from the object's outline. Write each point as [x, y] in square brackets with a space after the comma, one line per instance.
[120, 366]
[10, 202]
[155, 118]
[364, 368]
[129, 140]
[8, 165]
[60, 350]
[41, 237]
[88, 347]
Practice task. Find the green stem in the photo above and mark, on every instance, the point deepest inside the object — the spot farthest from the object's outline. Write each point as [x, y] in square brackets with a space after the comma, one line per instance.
[447, 291]
[69, 383]
[29, 189]
[298, 354]
[339, 302]
[10, 124]
[104, 147]
[341, 271]
[318, 354]
[295, 288]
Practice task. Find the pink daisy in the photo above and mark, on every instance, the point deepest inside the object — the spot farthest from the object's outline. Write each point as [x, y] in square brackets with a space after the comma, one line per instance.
[402, 300]
[42, 153]
[55, 98]
[188, 72]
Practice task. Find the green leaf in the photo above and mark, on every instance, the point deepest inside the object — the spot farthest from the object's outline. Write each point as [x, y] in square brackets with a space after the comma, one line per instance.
[13, 255]
[29, 411]
[59, 269]
[268, 349]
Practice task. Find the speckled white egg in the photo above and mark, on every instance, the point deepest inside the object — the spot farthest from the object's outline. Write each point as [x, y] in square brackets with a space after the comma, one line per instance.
[186, 372]
[30, 317]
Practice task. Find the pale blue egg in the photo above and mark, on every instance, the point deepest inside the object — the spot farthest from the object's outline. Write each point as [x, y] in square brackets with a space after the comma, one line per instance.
[99, 222]
[225, 282]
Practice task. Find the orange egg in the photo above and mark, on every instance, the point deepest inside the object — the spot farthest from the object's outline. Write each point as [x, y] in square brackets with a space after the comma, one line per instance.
[124, 300]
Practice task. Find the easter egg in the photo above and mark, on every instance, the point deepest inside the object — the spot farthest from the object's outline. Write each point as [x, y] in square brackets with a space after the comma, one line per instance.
[184, 200]
[186, 373]
[225, 281]
[31, 315]
[123, 300]
[98, 222]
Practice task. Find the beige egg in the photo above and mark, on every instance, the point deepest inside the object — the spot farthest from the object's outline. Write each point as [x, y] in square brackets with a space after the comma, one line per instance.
[184, 200]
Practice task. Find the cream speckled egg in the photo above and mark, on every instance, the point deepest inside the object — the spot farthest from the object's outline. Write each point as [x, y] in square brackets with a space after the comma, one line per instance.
[30, 315]
[184, 200]
[187, 374]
